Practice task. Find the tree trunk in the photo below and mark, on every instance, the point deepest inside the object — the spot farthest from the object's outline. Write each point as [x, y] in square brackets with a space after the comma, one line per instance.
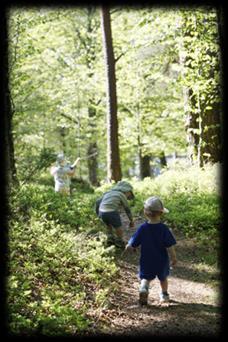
[92, 149]
[192, 128]
[113, 157]
[191, 119]
[92, 164]
[211, 135]
[90, 60]
[145, 166]
[163, 159]
[7, 159]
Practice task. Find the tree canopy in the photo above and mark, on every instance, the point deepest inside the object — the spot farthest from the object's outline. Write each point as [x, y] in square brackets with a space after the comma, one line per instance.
[58, 92]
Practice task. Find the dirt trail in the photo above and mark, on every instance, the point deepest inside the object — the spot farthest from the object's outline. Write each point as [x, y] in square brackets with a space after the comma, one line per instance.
[194, 308]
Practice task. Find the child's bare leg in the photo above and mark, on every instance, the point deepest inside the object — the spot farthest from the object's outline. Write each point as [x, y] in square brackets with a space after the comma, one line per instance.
[119, 232]
[119, 241]
[109, 229]
[110, 236]
[164, 296]
[164, 285]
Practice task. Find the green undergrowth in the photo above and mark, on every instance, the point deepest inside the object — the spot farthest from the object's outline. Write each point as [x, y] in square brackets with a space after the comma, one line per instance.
[193, 198]
[59, 267]
[61, 272]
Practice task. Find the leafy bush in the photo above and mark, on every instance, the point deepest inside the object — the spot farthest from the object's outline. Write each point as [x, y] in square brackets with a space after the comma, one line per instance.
[192, 196]
[58, 269]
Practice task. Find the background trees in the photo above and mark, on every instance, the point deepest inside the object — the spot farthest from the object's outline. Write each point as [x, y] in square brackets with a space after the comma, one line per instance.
[167, 72]
[203, 82]
[167, 67]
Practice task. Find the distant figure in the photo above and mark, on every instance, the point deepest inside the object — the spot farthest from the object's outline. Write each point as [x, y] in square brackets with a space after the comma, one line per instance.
[156, 240]
[107, 208]
[62, 172]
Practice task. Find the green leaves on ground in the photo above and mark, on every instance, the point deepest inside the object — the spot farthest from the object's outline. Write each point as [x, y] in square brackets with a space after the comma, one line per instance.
[61, 272]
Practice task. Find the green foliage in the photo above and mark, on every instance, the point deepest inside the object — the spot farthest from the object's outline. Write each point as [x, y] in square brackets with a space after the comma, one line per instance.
[202, 78]
[193, 197]
[33, 162]
[48, 47]
[58, 264]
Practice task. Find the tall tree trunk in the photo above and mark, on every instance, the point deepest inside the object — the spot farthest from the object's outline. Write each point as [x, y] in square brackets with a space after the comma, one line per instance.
[145, 170]
[113, 157]
[92, 164]
[222, 42]
[92, 149]
[192, 128]
[7, 159]
[90, 60]
[191, 119]
[62, 132]
[211, 135]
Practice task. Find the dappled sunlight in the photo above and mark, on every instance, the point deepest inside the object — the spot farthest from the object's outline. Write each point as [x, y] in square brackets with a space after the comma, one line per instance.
[132, 95]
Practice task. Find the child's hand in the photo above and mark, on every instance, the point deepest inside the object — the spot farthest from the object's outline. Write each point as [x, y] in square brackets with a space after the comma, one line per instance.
[76, 162]
[130, 248]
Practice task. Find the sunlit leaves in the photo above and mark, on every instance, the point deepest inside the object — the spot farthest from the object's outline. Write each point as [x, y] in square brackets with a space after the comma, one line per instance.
[56, 265]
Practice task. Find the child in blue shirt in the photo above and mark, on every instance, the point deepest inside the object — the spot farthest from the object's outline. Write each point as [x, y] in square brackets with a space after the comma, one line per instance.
[156, 240]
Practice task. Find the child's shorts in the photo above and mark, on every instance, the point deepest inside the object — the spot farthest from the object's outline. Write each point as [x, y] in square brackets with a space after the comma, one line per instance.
[111, 218]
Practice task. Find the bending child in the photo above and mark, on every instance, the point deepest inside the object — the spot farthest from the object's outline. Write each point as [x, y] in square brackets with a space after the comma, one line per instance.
[108, 206]
[157, 242]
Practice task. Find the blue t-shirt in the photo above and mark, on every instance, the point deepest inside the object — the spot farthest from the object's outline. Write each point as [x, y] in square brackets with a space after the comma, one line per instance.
[154, 240]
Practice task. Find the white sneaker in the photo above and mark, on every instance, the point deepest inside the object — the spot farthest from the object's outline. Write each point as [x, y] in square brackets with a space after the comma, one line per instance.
[164, 298]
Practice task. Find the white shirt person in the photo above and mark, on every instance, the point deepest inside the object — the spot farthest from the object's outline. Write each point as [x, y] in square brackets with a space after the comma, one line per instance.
[62, 173]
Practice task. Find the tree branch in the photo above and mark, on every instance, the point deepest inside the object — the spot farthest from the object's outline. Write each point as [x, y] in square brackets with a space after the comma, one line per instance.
[121, 55]
[69, 118]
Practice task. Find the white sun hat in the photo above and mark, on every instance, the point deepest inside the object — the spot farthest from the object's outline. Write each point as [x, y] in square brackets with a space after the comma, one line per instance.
[155, 204]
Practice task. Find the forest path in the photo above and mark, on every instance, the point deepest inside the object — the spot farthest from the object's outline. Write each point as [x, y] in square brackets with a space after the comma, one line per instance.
[194, 307]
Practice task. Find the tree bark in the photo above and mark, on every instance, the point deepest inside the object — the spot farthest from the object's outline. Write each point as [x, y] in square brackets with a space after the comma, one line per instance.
[8, 158]
[92, 147]
[145, 170]
[113, 157]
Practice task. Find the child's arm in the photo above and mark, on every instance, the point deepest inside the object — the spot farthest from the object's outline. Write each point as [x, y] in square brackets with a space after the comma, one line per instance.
[76, 162]
[172, 253]
[72, 167]
[52, 170]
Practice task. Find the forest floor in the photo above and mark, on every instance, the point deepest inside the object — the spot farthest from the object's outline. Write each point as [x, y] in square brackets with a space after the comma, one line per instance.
[195, 302]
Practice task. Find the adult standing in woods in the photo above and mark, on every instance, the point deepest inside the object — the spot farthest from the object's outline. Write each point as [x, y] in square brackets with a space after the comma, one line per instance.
[62, 173]
[107, 208]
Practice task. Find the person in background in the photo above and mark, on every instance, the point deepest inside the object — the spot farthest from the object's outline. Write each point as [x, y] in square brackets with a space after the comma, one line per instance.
[108, 207]
[157, 242]
[62, 173]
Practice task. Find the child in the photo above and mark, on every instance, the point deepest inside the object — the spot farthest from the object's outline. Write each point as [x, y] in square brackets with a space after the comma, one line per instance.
[108, 207]
[62, 173]
[155, 239]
